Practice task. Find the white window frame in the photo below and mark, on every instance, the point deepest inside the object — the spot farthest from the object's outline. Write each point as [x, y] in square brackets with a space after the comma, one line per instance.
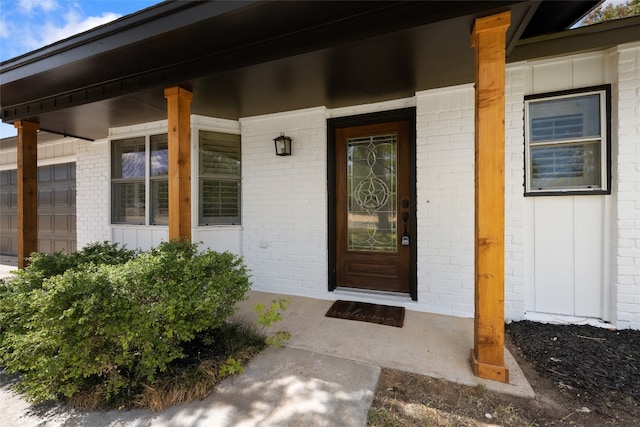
[148, 179]
[200, 220]
[604, 139]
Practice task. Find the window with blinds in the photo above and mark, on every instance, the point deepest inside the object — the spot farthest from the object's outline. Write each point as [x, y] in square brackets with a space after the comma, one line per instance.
[128, 181]
[567, 142]
[219, 178]
[139, 168]
[159, 179]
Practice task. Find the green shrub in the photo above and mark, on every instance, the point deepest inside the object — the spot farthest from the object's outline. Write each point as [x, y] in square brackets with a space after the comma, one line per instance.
[16, 306]
[117, 325]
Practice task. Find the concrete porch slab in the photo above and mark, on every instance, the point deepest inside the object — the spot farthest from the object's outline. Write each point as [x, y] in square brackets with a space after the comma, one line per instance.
[428, 344]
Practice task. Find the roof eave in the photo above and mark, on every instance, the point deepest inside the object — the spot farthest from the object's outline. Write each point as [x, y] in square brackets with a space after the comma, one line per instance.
[577, 40]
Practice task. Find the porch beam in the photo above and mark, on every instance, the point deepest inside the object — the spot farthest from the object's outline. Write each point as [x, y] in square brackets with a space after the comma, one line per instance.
[27, 175]
[489, 41]
[179, 158]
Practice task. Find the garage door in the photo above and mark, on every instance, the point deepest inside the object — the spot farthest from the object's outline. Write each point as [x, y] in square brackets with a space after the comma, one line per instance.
[56, 209]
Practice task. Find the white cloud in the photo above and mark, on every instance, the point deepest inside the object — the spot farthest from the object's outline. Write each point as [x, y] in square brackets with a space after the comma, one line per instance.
[73, 23]
[4, 29]
[32, 24]
[46, 5]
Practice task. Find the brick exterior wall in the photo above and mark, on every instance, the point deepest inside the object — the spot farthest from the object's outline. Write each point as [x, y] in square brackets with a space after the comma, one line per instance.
[445, 206]
[626, 184]
[514, 223]
[284, 203]
[92, 192]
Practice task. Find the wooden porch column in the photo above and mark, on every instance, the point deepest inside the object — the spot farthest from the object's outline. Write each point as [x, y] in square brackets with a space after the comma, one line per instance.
[27, 190]
[179, 128]
[489, 40]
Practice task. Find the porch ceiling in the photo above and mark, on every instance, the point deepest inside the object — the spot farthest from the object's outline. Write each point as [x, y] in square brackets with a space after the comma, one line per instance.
[247, 58]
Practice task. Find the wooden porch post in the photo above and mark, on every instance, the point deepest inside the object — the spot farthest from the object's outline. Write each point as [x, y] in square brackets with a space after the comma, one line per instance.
[27, 190]
[489, 40]
[179, 128]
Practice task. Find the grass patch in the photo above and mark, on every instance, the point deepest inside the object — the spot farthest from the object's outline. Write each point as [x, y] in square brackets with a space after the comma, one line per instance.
[188, 379]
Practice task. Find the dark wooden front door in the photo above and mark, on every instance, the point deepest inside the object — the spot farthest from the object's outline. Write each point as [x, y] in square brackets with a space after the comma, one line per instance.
[373, 207]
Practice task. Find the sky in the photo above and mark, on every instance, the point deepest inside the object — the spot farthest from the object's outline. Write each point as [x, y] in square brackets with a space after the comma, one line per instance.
[26, 25]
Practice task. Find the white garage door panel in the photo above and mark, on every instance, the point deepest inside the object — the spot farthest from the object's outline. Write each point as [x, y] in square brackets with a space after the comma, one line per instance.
[589, 255]
[553, 254]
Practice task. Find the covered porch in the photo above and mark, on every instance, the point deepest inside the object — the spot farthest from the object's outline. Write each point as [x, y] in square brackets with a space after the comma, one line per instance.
[304, 56]
[428, 344]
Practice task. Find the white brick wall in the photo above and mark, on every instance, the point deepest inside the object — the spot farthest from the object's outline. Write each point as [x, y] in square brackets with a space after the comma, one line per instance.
[626, 184]
[515, 292]
[284, 203]
[445, 206]
[92, 192]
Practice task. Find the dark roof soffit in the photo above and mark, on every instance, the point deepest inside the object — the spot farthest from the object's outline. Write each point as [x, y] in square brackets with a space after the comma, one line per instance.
[108, 65]
[582, 39]
[306, 26]
[558, 15]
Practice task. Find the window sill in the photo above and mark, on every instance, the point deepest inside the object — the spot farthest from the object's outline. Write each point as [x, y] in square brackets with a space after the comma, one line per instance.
[568, 193]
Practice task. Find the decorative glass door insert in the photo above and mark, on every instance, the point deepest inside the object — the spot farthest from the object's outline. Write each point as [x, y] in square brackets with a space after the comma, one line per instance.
[372, 193]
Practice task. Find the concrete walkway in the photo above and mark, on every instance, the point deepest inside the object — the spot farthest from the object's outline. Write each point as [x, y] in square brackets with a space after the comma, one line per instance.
[280, 387]
[325, 376]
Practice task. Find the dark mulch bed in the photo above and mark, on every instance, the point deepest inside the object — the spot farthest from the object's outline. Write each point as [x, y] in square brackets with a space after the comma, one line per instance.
[598, 365]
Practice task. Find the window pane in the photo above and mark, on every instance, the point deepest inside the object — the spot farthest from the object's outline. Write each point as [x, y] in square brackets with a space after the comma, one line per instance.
[159, 155]
[372, 193]
[567, 118]
[219, 153]
[565, 166]
[128, 202]
[219, 202]
[127, 159]
[219, 169]
[159, 202]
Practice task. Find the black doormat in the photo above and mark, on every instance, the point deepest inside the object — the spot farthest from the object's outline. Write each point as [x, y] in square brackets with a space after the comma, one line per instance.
[365, 312]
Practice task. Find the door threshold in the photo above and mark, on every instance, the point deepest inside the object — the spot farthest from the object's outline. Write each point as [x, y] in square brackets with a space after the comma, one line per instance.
[373, 294]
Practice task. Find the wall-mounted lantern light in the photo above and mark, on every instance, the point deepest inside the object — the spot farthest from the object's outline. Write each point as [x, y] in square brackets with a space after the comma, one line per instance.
[283, 145]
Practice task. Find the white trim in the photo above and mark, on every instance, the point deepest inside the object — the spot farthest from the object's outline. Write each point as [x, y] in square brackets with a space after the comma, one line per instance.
[285, 114]
[562, 57]
[43, 162]
[394, 104]
[559, 319]
[214, 125]
[160, 126]
[606, 261]
[457, 88]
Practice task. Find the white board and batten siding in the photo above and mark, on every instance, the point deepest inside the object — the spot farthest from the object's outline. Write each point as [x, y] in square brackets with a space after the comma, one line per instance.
[568, 253]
